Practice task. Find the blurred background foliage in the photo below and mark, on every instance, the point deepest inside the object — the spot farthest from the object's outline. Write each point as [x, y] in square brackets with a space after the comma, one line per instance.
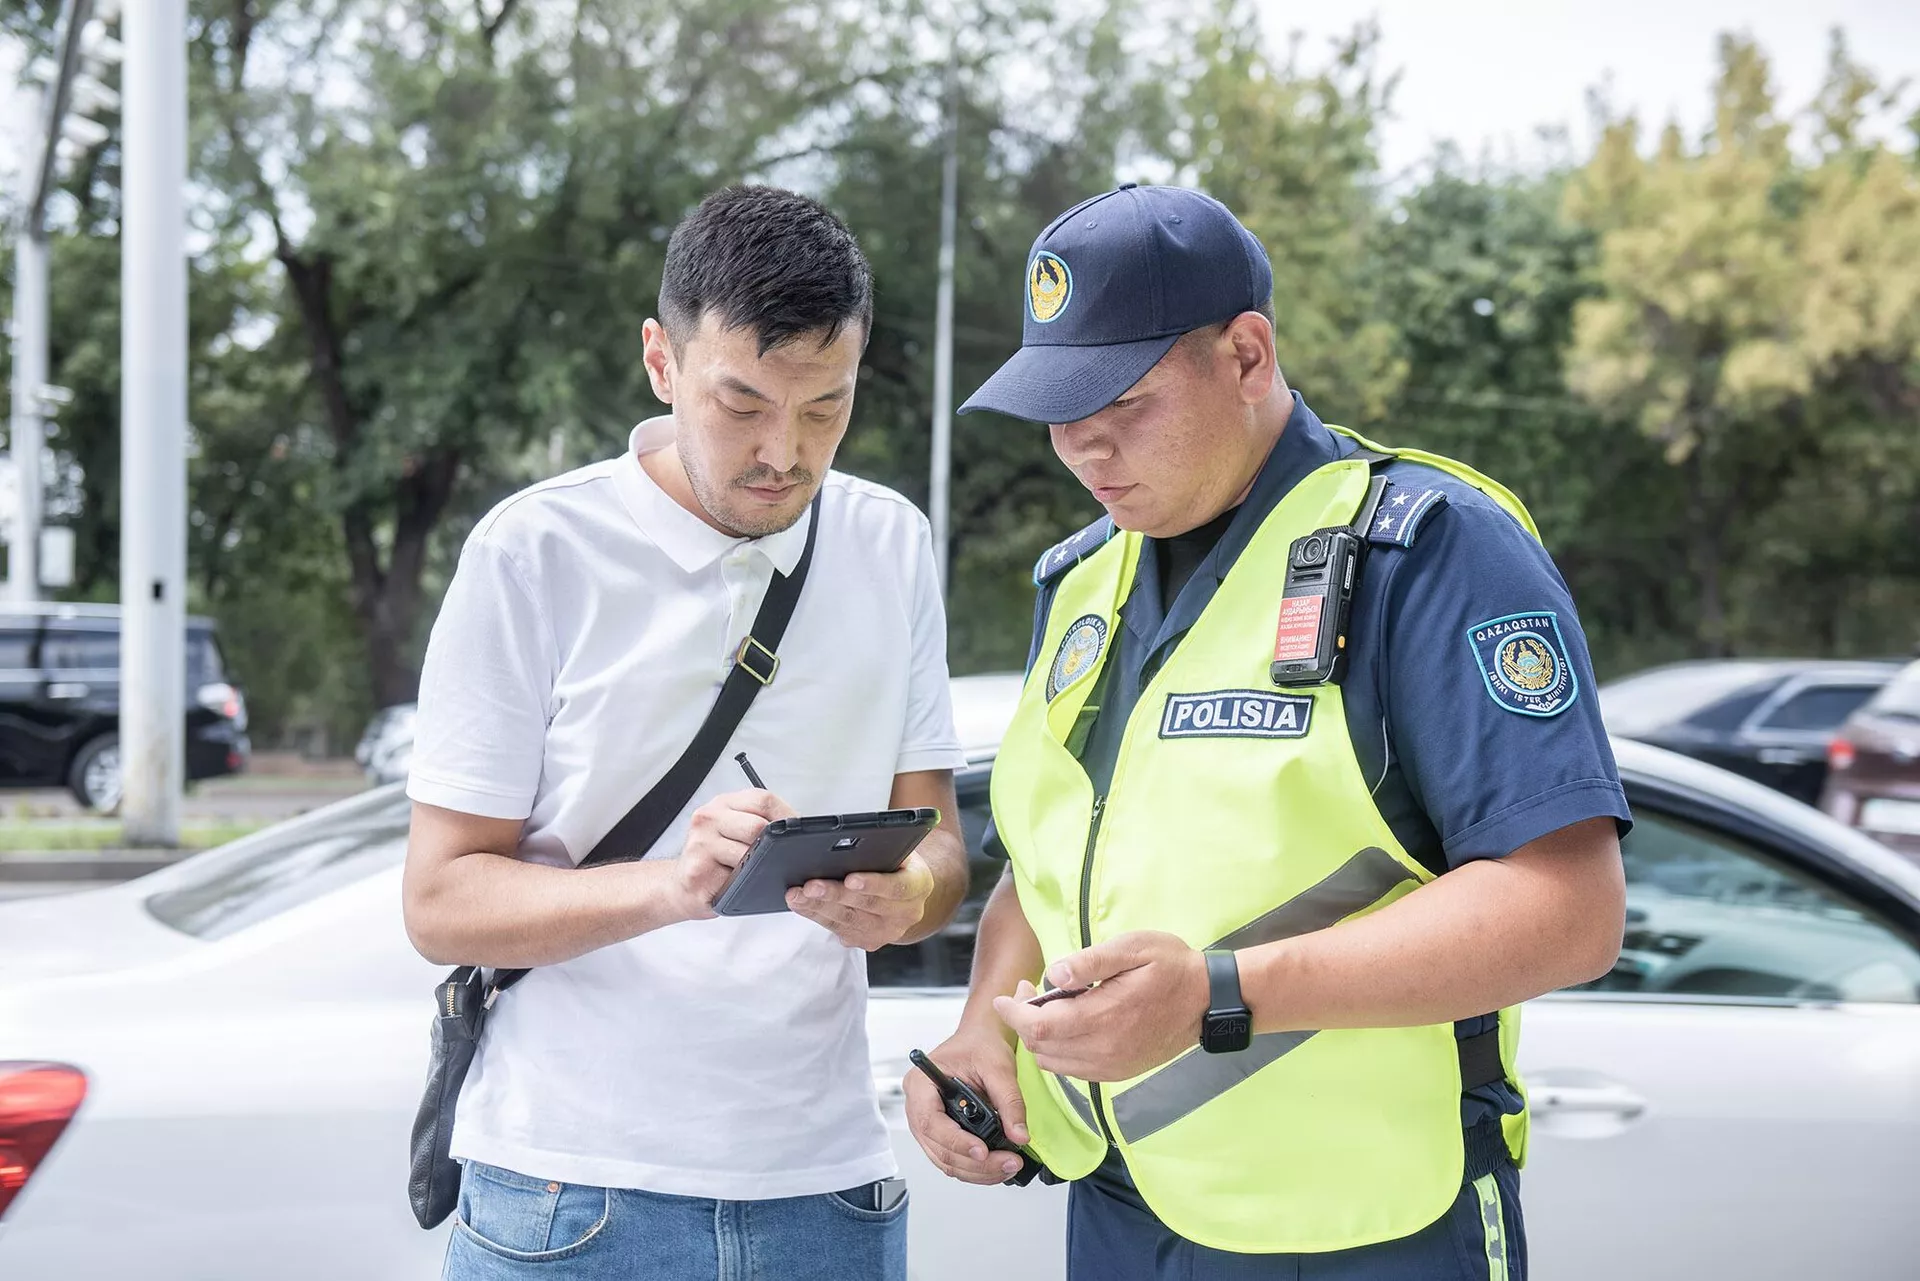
[425, 235]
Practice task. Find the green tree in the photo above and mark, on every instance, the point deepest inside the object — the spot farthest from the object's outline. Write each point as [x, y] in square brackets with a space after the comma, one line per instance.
[467, 206]
[1755, 316]
[1479, 277]
[1024, 157]
[1291, 149]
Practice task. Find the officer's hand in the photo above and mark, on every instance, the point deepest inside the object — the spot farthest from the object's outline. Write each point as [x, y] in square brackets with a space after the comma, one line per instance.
[868, 909]
[1146, 1010]
[719, 836]
[984, 1060]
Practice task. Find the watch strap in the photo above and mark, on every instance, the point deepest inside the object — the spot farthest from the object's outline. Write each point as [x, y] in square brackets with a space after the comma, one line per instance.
[1223, 982]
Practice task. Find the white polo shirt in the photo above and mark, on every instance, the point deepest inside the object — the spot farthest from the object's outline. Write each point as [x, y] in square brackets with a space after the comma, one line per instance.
[580, 646]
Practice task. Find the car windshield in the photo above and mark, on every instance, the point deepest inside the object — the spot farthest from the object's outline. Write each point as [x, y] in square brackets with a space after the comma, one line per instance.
[1647, 702]
[1901, 695]
[227, 889]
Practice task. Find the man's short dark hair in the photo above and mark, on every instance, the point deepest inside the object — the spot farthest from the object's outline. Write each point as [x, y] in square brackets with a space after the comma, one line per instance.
[1190, 342]
[768, 260]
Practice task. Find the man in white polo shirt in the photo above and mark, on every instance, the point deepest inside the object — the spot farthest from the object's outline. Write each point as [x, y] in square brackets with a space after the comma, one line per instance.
[670, 1094]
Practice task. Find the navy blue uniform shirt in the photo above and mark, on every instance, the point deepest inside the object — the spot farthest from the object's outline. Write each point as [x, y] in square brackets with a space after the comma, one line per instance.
[1465, 763]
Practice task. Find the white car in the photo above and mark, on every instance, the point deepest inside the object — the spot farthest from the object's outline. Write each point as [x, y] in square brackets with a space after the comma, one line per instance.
[385, 750]
[1741, 1097]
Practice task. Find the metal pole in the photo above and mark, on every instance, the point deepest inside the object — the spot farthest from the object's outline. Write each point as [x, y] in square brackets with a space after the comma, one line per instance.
[937, 501]
[27, 430]
[76, 13]
[30, 305]
[153, 420]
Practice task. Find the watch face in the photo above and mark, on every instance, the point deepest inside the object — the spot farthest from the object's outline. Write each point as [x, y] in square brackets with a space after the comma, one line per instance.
[1229, 1031]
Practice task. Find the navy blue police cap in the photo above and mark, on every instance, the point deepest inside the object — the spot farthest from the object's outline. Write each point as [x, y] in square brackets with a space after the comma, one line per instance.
[1111, 285]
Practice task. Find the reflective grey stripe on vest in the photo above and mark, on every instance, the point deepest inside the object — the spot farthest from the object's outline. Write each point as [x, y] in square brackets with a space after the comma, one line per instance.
[1081, 1103]
[1188, 1082]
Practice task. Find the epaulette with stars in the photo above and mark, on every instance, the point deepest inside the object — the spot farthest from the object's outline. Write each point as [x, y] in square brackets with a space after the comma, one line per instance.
[1401, 512]
[1063, 556]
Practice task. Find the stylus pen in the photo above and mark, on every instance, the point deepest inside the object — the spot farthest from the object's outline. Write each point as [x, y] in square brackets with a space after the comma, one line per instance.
[752, 777]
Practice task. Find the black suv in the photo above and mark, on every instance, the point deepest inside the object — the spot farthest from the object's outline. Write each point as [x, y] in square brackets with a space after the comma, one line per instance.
[60, 702]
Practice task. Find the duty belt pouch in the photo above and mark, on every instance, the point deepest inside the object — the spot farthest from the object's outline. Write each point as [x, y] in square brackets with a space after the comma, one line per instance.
[463, 999]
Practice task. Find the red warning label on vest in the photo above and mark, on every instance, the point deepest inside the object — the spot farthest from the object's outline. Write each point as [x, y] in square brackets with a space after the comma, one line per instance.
[1299, 636]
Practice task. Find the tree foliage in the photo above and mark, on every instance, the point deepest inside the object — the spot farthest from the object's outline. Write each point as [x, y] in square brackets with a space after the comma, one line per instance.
[1756, 315]
[425, 236]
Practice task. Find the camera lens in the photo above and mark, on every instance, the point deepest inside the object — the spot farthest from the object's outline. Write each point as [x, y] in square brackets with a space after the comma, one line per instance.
[1313, 551]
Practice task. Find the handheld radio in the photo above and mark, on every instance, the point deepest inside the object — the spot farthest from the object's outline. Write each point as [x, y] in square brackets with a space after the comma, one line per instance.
[972, 1113]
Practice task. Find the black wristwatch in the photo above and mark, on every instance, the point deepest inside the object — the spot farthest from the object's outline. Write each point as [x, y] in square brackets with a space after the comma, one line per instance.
[1228, 1025]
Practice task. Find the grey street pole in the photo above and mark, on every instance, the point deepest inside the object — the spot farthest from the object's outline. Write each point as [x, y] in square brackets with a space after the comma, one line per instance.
[937, 490]
[27, 430]
[153, 419]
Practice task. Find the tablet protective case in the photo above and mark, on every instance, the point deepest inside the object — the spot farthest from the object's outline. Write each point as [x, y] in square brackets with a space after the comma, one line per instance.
[831, 847]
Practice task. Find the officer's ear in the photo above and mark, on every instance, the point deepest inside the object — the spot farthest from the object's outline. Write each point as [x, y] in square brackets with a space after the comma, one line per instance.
[1250, 335]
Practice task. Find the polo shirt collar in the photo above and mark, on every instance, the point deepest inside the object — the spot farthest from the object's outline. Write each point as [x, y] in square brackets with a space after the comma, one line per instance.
[691, 542]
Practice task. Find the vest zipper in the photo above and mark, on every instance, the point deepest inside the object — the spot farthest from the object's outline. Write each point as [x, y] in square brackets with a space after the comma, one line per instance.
[1086, 938]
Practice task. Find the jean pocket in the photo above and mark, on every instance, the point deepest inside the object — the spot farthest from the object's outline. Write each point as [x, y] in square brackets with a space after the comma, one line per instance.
[863, 1210]
[526, 1219]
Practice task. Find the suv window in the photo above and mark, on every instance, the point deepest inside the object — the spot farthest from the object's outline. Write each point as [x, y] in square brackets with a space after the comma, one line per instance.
[1731, 713]
[1708, 915]
[1651, 701]
[1817, 708]
[16, 651]
[205, 663]
[71, 650]
[225, 890]
[946, 959]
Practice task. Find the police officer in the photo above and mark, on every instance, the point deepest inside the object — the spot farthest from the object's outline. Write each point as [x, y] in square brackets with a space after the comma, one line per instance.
[1306, 792]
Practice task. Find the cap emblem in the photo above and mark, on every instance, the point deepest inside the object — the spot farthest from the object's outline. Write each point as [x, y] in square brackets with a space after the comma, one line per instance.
[1049, 286]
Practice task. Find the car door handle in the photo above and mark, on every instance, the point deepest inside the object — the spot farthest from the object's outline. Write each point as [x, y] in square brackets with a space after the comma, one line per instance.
[68, 689]
[1615, 1100]
[1784, 756]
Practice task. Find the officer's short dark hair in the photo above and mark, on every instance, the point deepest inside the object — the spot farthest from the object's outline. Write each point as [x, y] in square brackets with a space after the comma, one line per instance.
[1191, 339]
[768, 260]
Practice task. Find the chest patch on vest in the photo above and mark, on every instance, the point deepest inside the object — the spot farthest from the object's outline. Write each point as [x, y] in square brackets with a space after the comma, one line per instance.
[1523, 660]
[1236, 713]
[1079, 651]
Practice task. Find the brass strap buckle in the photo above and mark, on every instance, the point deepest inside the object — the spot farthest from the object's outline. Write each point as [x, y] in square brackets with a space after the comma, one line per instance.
[761, 663]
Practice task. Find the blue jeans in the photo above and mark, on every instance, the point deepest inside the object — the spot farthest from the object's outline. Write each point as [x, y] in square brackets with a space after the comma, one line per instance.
[512, 1227]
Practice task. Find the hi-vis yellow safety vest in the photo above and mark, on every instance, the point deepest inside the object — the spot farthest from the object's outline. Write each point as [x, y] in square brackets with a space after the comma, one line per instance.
[1237, 816]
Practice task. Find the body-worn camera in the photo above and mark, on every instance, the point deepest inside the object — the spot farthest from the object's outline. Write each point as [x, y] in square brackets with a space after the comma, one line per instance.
[1311, 646]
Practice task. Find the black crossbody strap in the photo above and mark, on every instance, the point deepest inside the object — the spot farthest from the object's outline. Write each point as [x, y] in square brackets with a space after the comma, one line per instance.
[756, 663]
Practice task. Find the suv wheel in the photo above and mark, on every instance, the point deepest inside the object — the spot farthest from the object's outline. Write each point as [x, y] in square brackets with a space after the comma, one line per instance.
[95, 780]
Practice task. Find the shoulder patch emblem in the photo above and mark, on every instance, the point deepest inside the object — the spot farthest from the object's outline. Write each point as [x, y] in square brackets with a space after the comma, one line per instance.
[1401, 512]
[1079, 650]
[1523, 660]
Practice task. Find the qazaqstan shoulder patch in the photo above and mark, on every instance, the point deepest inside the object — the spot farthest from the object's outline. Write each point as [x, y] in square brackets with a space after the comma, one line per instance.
[1523, 660]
